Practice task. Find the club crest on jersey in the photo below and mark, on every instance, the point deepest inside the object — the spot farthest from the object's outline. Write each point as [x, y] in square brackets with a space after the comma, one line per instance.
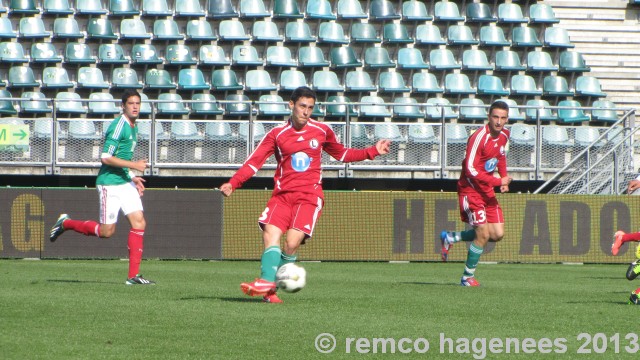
[313, 143]
[491, 164]
[502, 150]
[300, 161]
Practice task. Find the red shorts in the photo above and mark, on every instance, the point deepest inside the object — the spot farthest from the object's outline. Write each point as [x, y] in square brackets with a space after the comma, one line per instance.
[298, 211]
[475, 210]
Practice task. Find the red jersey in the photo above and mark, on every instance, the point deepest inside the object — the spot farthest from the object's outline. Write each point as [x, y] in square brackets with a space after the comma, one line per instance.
[484, 155]
[299, 156]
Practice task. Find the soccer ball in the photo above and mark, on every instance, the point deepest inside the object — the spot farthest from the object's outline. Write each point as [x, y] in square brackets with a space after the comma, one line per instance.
[634, 299]
[291, 278]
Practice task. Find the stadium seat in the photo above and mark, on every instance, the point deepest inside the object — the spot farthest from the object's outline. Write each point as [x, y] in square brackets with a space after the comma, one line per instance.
[364, 33]
[144, 127]
[145, 54]
[69, 103]
[340, 106]
[272, 105]
[158, 79]
[31, 103]
[326, 81]
[411, 59]
[331, 33]
[122, 8]
[266, 31]
[589, 86]
[472, 110]
[359, 81]
[475, 60]
[6, 106]
[185, 130]
[392, 82]
[540, 62]
[21, 77]
[199, 30]
[90, 7]
[455, 142]
[523, 141]
[185, 141]
[238, 105]
[555, 37]
[542, 14]
[372, 107]
[446, 12]
[415, 11]
[319, 10]
[555, 143]
[253, 9]
[258, 81]
[232, 30]
[23, 7]
[55, 78]
[245, 55]
[6, 29]
[420, 139]
[491, 85]
[44, 53]
[479, 13]
[12, 52]
[515, 113]
[145, 109]
[511, 13]
[377, 58]
[286, 9]
[425, 83]
[388, 131]
[83, 129]
[542, 111]
[133, 29]
[458, 84]
[111, 54]
[206, 105]
[156, 8]
[555, 86]
[605, 110]
[279, 56]
[396, 34]
[460, 35]
[100, 29]
[125, 78]
[311, 57]
[572, 112]
[66, 28]
[406, 108]
[179, 55]
[429, 35]
[508, 60]
[166, 30]
[358, 136]
[91, 78]
[382, 10]
[438, 108]
[443, 60]
[173, 106]
[224, 80]
[524, 37]
[524, 85]
[221, 9]
[32, 28]
[243, 133]
[104, 107]
[56, 7]
[344, 58]
[76, 53]
[492, 36]
[586, 136]
[218, 140]
[350, 10]
[212, 55]
[189, 8]
[298, 32]
[572, 62]
[291, 80]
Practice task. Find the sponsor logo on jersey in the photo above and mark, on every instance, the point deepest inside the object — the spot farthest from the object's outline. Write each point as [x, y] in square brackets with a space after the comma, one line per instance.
[491, 164]
[300, 139]
[313, 143]
[300, 161]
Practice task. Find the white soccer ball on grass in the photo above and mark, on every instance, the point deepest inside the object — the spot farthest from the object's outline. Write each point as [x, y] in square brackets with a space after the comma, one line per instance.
[291, 278]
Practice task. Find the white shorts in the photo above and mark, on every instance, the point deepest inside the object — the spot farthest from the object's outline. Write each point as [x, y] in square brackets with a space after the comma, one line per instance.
[116, 197]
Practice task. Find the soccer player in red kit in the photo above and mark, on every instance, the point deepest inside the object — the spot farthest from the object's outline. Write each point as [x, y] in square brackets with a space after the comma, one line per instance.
[297, 199]
[486, 152]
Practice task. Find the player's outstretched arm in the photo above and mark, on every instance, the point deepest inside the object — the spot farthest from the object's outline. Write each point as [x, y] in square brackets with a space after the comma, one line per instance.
[633, 186]
[383, 146]
[226, 189]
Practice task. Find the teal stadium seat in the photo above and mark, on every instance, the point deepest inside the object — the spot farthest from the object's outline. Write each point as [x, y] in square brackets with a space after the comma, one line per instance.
[272, 105]
[392, 82]
[492, 36]
[238, 105]
[133, 29]
[331, 33]
[189, 8]
[511, 13]
[298, 32]
[156, 8]
[572, 62]
[359, 81]
[406, 108]
[66, 28]
[350, 10]
[12, 52]
[291, 80]
[455, 141]
[122, 8]
[171, 104]
[311, 57]
[555, 37]
[32, 103]
[32, 28]
[475, 60]
[279, 56]
[589, 86]
[83, 129]
[253, 9]
[524, 85]
[231, 30]
[377, 58]
[221, 9]
[125, 78]
[479, 13]
[508, 60]
[542, 14]
[319, 10]
[44, 53]
[542, 111]
[522, 144]
[21, 77]
[69, 103]
[415, 11]
[515, 113]
[373, 106]
[55, 78]
[200, 30]
[159, 80]
[429, 35]
[205, 104]
[91, 78]
[219, 138]
[212, 55]
[245, 55]
[460, 35]
[446, 12]
[6, 106]
[344, 58]
[258, 81]
[458, 84]
[439, 108]
[411, 59]
[266, 31]
[364, 33]
[524, 37]
[443, 60]
[586, 136]
[571, 112]
[382, 10]
[605, 110]
[491, 85]
[340, 106]
[144, 54]
[166, 30]
[23, 7]
[76, 53]
[6, 29]
[100, 29]
[326, 81]
[179, 55]
[56, 7]
[425, 83]
[420, 138]
[111, 54]
[396, 34]
[224, 80]
[102, 104]
[472, 110]
[287, 9]
[556, 86]
[90, 7]
[540, 62]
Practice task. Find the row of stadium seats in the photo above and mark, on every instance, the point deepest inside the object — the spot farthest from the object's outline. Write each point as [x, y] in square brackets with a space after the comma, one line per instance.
[434, 109]
[378, 10]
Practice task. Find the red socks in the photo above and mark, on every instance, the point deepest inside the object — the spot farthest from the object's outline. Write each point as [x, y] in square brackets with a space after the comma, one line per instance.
[631, 237]
[88, 227]
[135, 244]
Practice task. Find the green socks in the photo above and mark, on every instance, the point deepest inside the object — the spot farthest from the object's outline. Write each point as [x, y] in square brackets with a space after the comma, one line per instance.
[269, 263]
[473, 256]
[467, 235]
[286, 258]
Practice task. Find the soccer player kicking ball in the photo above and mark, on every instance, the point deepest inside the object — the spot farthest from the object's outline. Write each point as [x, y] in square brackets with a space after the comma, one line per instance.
[118, 188]
[620, 237]
[486, 152]
[297, 199]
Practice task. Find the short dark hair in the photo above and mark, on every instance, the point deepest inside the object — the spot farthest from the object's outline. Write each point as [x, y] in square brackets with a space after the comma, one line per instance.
[303, 91]
[499, 105]
[129, 93]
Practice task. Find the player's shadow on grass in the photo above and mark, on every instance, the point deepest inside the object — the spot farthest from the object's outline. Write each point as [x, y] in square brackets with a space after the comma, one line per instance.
[602, 277]
[228, 299]
[82, 281]
[428, 283]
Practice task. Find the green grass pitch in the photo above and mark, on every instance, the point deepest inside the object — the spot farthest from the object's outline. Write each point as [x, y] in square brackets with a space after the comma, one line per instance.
[75, 309]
